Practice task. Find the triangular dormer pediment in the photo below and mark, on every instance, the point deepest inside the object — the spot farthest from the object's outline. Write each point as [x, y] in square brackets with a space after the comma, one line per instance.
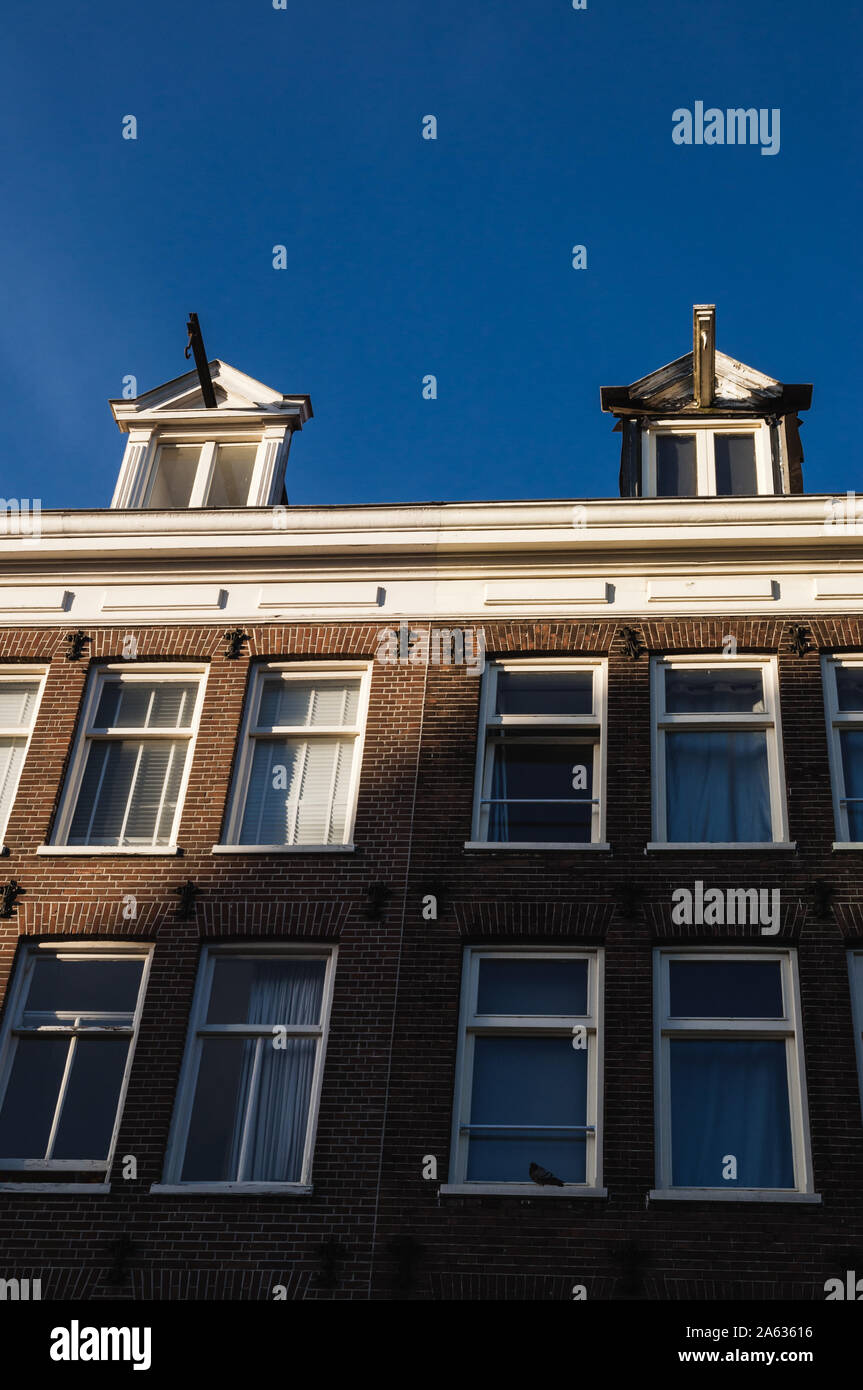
[671, 389]
[705, 381]
[235, 391]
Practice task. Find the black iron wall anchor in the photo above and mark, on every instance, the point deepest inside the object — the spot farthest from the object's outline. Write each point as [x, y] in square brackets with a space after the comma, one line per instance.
[77, 642]
[235, 639]
[377, 900]
[822, 896]
[188, 892]
[799, 639]
[327, 1276]
[632, 643]
[9, 894]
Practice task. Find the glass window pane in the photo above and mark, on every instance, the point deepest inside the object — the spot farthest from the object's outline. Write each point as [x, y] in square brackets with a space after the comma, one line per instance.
[31, 1097]
[675, 465]
[550, 987]
[544, 692]
[298, 792]
[714, 690]
[279, 1118]
[221, 1092]
[849, 687]
[527, 1081]
[17, 703]
[248, 990]
[232, 475]
[121, 775]
[726, 989]
[174, 476]
[851, 744]
[90, 1106]
[145, 705]
[717, 787]
[729, 1098]
[735, 465]
[307, 704]
[84, 985]
[532, 792]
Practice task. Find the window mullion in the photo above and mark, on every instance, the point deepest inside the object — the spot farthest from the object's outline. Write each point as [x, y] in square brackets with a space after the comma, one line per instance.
[201, 485]
[61, 1096]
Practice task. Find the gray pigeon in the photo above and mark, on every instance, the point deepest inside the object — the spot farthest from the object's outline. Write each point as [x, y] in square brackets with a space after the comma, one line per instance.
[543, 1177]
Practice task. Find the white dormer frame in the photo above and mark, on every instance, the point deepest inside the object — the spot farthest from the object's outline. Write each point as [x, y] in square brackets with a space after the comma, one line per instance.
[248, 413]
[705, 430]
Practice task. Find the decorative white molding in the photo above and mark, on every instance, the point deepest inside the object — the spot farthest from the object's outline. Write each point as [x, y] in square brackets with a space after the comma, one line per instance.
[307, 594]
[546, 593]
[837, 586]
[134, 469]
[169, 598]
[38, 598]
[738, 589]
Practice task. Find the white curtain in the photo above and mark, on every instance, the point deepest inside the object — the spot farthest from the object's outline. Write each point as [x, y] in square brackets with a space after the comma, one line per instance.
[280, 1108]
[717, 787]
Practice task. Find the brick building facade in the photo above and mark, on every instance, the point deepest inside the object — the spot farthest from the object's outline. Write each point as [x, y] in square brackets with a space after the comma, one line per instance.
[598, 621]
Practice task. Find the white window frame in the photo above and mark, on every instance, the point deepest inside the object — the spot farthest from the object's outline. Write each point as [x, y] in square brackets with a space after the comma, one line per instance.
[855, 976]
[837, 720]
[473, 1024]
[200, 1029]
[11, 675]
[207, 452]
[324, 671]
[662, 722]
[579, 728]
[789, 1028]
[71, 1027]
[86, 733]
[705, 459]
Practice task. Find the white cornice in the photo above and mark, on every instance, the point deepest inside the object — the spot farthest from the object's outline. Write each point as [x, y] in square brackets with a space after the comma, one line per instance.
[707, 527]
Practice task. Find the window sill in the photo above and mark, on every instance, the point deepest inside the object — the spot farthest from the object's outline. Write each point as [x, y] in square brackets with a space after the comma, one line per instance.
[518, 1189]
[721, 845]
[107, 849]
[231, 1189]
[735, 1194]
[76, 1189]
[283, 849]
[847, 844]
[536, 845]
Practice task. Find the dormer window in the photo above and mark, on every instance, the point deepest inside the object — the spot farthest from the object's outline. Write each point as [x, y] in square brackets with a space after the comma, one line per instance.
[727, 459]
[211, 474]
[183, 453]
[706, 425]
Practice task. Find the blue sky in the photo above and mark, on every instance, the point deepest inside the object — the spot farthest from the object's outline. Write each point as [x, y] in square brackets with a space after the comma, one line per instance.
[302, 127]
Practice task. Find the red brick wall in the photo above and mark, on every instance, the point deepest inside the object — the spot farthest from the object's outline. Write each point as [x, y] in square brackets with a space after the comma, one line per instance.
[402, 973]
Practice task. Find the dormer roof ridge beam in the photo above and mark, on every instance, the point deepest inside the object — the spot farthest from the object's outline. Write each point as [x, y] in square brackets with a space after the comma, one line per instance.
[703, 354]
